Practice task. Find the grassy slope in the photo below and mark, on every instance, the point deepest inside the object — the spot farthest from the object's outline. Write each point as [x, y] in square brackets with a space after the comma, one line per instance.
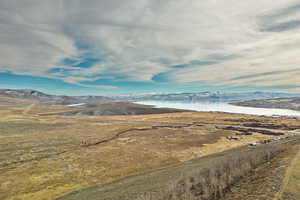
[132, 187]
[291, 183]
[41, 157]
[283, 103]
[267, 181]
[117, 108]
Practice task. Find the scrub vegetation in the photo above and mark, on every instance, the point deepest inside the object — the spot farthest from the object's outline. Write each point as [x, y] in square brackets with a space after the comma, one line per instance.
[212, 181]
[45, 155]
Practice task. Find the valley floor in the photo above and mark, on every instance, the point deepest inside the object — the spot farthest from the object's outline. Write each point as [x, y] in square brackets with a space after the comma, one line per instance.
[44, 156]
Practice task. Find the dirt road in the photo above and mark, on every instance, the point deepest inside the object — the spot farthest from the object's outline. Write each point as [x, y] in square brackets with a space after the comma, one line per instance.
[290, 188]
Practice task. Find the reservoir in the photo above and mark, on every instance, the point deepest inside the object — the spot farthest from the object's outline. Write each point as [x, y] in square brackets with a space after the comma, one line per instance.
[222, 107]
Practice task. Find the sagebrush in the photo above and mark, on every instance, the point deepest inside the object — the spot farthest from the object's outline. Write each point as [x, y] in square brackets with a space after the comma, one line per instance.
[212, 181]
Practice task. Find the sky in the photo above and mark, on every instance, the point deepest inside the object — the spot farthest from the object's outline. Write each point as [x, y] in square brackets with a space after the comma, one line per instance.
[142, 46]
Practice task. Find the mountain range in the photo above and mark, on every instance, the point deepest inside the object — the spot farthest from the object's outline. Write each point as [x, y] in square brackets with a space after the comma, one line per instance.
[52, 99]
[206, 96]
[182, 97]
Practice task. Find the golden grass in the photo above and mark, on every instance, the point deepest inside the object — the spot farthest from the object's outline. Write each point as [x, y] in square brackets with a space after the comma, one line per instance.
[290, 188]
[41, 156]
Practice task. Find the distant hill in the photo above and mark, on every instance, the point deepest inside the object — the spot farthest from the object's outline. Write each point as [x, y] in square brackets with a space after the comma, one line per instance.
[206, 96]
[182, 97]
[118, 108]
[51, 99]
[83, 105]
[283, 103]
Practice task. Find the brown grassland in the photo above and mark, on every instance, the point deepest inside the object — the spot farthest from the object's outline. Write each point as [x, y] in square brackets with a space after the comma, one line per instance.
[44, 156]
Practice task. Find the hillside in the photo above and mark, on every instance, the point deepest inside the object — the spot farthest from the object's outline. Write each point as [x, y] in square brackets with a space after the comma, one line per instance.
[206, 96]
[51, 99]
[116, 108]
[283, 103]
[181, 97]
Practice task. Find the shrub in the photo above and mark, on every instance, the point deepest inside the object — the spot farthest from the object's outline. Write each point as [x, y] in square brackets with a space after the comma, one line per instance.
[212, 181]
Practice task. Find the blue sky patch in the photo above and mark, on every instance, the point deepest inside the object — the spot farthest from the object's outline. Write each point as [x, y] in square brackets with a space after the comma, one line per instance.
[160, 78]
[81, 62]
[194, 64]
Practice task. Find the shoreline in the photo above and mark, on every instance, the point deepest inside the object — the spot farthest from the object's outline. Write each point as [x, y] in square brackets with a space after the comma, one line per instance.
[293, 117]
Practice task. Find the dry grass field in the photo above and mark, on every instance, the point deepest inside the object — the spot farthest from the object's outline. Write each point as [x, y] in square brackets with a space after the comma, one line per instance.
[44, 156]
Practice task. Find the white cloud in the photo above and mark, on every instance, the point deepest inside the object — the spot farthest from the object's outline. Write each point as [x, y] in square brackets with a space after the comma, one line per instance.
[139, 39]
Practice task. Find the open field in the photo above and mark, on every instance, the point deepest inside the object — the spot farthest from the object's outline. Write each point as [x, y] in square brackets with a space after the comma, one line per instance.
[46, 156]
[169, 178]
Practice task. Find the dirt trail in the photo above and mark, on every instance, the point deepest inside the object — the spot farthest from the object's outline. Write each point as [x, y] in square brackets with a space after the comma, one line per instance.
[89, 144]
[291, 185]
[118, 134]
[177, 125]
[155, 125]
[11, 165]
[180, 124]
[28, 108]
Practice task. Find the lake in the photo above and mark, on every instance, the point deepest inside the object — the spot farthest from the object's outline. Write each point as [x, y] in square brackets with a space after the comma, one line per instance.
[222, 107]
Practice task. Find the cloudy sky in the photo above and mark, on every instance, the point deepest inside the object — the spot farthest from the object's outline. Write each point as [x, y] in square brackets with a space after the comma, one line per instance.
[136, 46]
